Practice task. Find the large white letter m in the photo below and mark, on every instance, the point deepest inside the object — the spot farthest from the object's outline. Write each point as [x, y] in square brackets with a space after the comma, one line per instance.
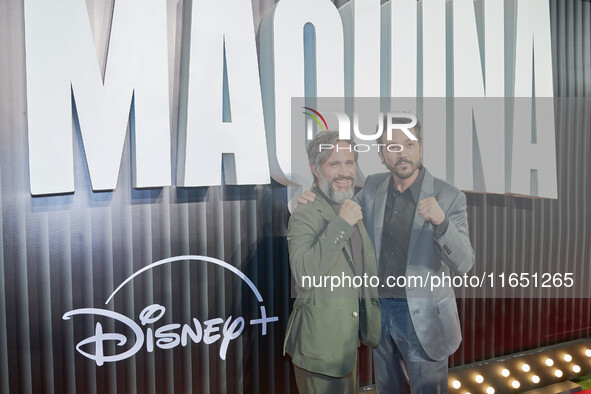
[61, 59]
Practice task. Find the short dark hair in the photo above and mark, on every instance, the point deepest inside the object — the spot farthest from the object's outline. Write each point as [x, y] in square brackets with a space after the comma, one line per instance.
[316, 156]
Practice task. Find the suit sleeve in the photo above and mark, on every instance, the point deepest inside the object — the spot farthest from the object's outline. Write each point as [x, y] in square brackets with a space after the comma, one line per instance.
[454, 245]
[361, 197]
[315, 247]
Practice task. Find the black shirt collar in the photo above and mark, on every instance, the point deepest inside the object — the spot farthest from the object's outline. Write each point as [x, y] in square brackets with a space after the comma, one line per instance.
[415, 188]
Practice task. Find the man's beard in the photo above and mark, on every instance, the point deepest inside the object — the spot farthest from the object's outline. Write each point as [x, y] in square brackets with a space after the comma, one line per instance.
[338, 197]
[404, 175]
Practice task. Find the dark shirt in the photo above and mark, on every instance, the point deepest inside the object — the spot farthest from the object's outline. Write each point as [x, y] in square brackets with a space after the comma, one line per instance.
[398, 217]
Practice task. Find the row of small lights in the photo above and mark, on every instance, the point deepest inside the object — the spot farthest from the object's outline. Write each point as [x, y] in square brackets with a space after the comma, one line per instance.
[456, 384]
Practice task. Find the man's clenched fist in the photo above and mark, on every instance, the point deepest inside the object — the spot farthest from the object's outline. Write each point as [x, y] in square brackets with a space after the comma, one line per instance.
[351, 212]
[430, 210]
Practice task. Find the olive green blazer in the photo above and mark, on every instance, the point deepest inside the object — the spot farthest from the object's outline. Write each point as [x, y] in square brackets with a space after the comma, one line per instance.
[325, 326]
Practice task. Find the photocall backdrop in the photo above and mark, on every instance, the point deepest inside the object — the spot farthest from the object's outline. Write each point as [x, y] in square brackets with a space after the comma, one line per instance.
[63, 252]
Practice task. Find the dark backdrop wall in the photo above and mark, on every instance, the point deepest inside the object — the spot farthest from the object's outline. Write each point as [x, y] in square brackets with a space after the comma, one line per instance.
[60, 253]
[539, 234]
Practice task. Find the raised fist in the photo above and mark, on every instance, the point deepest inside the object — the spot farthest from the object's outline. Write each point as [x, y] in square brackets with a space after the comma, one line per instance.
[430, 210]
[351, 212]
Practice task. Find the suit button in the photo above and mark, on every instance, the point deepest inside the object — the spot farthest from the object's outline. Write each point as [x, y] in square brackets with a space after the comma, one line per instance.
[354, 314]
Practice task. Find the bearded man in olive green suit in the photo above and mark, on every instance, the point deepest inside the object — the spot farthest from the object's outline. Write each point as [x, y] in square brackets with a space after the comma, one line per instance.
[327, 237]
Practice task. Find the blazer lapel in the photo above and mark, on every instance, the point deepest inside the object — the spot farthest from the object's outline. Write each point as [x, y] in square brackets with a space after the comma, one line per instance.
[419, 224]
[378, 216]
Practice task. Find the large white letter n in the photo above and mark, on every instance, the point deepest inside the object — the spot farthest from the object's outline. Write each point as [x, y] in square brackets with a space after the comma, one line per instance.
[61, 59]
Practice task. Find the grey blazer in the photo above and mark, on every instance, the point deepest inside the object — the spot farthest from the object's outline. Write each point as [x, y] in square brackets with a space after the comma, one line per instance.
[434, 313]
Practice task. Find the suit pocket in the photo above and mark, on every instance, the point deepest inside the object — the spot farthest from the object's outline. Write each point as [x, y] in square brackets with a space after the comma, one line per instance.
[327, 333]
[446, 305]
[450, 323]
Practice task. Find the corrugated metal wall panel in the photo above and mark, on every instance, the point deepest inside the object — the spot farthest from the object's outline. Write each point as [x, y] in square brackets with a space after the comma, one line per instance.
[547, 235]
[65, 252]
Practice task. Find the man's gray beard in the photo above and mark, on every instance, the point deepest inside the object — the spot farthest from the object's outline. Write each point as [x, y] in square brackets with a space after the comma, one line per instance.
[333, 195]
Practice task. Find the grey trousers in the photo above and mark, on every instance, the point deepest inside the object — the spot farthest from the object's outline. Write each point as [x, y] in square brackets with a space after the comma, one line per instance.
[314, 383]
[401, 365]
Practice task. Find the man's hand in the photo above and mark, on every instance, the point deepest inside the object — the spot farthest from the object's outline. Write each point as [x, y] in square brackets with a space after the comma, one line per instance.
[351, 212]
[430, 210]
[307, 196]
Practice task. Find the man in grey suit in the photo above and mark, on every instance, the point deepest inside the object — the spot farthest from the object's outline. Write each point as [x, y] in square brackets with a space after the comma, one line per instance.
[419, 228]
